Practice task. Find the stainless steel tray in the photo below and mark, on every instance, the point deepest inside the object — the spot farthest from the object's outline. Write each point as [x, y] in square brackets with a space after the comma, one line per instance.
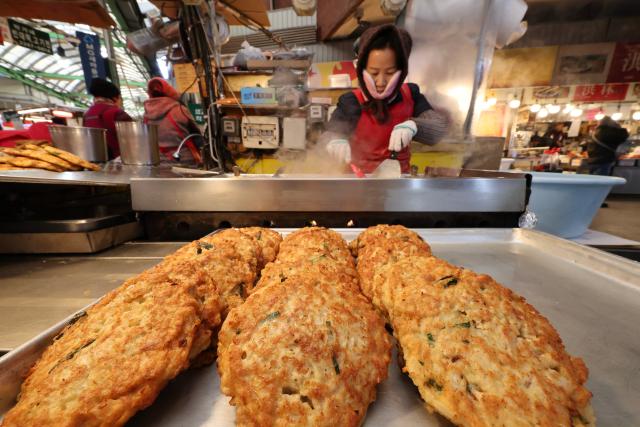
[591, 297]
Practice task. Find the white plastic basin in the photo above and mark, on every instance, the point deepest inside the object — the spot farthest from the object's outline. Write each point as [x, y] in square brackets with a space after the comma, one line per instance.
[566, 204]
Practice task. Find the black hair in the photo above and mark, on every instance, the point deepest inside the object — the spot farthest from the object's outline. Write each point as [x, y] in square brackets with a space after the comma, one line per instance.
[103, 88]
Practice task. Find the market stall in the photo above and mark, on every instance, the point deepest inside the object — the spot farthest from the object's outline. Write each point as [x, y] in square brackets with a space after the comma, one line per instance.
[307, 292]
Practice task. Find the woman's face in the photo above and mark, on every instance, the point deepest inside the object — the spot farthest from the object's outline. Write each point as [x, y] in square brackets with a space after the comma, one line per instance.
[381, 65]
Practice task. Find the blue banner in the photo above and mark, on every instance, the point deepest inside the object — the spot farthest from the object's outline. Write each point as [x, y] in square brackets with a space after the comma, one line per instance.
[92, 62]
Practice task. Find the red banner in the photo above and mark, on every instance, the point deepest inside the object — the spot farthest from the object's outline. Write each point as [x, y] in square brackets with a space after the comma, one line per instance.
[625, 66]
[610, 92]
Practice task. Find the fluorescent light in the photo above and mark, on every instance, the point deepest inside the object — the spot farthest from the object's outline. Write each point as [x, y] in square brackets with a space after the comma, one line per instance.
[577, 112]
[514, 103]
[33, 110]
[599, 116]
[62, 113]
[553, 109]
[543, 113]
[616, 116]
[535, 108]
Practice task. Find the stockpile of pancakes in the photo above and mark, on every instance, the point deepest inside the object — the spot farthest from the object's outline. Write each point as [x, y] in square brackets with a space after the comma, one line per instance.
[301, 337]
[40, 155]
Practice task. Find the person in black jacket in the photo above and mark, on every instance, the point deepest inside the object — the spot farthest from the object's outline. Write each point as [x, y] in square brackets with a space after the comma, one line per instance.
[602, 146]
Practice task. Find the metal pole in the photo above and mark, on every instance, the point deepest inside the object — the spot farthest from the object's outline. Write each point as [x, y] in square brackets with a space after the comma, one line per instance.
[479, 69]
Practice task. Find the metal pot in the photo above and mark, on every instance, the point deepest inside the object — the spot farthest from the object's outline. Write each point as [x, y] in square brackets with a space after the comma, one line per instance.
[88, 143]
[138, 143]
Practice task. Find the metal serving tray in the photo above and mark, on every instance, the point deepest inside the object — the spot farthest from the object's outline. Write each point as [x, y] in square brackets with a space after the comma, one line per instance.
[591, 297]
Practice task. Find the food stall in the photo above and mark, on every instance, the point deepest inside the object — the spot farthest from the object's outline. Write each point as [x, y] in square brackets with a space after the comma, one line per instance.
[71, 237]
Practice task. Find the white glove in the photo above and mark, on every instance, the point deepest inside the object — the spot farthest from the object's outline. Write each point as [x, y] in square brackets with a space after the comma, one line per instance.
[401, 135]
[340, 150]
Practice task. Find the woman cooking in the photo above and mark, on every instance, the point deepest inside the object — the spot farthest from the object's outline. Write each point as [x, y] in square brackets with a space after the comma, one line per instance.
[380, 119]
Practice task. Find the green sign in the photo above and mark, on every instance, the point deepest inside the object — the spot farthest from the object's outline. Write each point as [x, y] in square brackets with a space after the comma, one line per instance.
[29, 37]
[197, 110]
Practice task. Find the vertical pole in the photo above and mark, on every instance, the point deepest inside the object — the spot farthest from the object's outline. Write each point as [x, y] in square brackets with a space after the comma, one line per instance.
[479, 71]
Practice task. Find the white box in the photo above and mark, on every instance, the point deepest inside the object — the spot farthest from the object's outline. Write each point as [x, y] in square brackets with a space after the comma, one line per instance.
[294, 133]
[260, 132]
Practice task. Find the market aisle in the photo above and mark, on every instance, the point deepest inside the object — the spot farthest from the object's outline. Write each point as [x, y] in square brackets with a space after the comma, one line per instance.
[621, 218]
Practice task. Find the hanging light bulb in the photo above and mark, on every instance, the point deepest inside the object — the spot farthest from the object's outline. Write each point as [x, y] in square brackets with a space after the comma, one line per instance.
[492, 101]
[543, 113]
[599, 115]
[616, 116]
[514, 103]
[535, 108]
[553, 108]
[576, 112]
[567, 109]
[636, 115]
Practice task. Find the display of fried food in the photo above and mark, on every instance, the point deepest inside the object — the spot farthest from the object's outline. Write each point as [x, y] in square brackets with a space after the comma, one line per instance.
[29, 163]
[478, 353]
[8, 167]
[42, 155]
[36, 142]
[297, 353]
[316, 244]
[324, 272]
[382, 244]
[268, 240]
[69, 157]
[230, 258]
[383, 232]
[113, 360]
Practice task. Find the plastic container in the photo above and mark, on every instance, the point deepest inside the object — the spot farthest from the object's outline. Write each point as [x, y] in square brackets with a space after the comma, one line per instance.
[565, 204]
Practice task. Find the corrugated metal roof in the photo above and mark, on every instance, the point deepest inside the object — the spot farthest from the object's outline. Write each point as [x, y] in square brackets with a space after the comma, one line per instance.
[64, 74]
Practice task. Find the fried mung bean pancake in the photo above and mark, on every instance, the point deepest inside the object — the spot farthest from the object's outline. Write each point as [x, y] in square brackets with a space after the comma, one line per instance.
[295, 354]
[113, 360]
[478, 353]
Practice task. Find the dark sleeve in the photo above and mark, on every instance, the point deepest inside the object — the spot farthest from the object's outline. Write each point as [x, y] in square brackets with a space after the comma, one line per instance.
[420, 103]
[122, 116]
[346, 115]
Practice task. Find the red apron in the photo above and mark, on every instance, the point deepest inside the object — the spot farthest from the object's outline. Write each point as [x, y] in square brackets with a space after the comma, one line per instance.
[370, 141]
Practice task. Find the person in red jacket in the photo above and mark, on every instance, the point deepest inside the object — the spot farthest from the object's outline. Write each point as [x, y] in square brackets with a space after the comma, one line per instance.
[384, 114]
[105, 112]
[174, 120]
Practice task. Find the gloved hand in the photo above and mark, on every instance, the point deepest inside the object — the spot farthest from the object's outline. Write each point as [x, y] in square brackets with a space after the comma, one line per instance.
[401, 135]
[340, 150]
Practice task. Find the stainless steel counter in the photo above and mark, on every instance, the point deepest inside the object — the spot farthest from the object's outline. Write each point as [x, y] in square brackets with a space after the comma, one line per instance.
[39, 291]
[592, 298]
[111, 174]
[475, 191]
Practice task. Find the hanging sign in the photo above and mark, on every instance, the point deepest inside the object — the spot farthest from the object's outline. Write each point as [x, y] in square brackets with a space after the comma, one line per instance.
[594, 93]
[29, 37]
[625, 66]
[92, 62]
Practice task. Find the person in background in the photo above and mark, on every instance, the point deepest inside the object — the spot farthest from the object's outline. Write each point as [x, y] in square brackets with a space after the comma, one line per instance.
[174, 120]
[603, 144]
[555, 136]
[105, 112]
[384, 114]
